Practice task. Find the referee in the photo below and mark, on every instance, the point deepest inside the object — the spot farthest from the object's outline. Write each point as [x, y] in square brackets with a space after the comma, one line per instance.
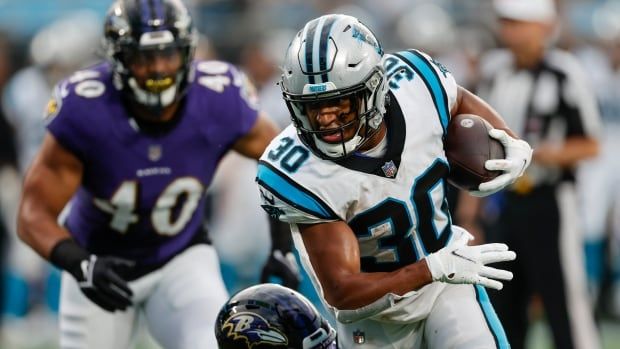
[542, 94]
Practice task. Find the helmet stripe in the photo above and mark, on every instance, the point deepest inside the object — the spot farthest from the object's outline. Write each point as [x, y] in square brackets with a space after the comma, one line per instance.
[309, 37]
[316, 38]
[323, 46]
[159, 10]
[144, 13]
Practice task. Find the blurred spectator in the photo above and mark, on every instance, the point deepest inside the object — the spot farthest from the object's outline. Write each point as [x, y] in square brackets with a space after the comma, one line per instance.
[8, 162]
[542, 94]
[261, 60]
[67, 44]
[599, 178]
[233, 185]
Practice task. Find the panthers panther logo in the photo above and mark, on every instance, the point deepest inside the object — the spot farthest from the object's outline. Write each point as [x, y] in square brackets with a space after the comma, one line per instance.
[254, 329]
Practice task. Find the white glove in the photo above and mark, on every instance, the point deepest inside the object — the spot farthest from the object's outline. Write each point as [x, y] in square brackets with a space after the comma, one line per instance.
[518, 157]
[459, 263]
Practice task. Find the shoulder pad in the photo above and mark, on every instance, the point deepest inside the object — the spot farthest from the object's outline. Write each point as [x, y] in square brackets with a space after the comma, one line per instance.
[83, 84]
[221, 77]
[281, 173]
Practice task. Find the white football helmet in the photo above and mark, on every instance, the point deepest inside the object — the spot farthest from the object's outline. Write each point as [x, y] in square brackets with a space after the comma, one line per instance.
[332, 57]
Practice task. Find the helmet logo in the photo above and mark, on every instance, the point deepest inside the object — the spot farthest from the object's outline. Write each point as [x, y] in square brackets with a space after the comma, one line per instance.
[367, 37]
[254, 329]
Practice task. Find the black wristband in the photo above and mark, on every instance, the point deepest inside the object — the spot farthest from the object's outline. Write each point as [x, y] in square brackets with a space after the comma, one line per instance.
[68, 255]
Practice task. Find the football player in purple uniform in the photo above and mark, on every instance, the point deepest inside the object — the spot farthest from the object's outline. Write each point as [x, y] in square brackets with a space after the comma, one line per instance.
[132, 143]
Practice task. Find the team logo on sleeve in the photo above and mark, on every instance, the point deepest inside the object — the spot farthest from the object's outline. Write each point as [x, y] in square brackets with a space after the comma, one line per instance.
[441, 67]
[254, 329]
[53, 106]
[51, 109]
[273, 211]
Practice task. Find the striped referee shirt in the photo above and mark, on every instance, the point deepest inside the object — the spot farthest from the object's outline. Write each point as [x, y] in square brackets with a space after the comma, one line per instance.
[545, 104]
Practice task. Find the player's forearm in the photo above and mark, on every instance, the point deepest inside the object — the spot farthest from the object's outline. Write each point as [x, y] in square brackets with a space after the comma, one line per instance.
[39, 230]
[358, 290]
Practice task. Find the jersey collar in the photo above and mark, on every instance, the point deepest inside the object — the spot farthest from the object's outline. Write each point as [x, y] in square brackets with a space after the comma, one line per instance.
[387, 165]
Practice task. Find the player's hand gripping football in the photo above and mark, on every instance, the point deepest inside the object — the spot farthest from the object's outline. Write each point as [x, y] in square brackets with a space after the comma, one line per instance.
[459, 263]
[518, 157]
[283, 266]
[101, 283]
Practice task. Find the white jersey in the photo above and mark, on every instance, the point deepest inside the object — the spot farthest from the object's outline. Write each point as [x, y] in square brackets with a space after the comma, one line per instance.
[396, 204]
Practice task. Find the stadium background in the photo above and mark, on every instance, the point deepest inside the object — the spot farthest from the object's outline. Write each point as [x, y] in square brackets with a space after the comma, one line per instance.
[57, 37]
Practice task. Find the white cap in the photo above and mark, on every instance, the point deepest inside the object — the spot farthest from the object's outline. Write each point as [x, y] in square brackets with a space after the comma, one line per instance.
[526, 10]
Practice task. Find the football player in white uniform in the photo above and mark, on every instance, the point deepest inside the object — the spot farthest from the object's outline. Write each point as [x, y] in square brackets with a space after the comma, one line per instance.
[361, 178]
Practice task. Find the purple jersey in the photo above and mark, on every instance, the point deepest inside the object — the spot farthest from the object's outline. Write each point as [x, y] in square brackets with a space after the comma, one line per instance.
[142, 194]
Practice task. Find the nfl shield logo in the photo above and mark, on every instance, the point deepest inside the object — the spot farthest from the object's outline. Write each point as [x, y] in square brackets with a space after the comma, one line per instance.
[359, 337]
[154, 152]
[389, 168]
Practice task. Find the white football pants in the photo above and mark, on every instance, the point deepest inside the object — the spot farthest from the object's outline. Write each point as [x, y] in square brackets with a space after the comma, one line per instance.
[461, 317]
[178, 302]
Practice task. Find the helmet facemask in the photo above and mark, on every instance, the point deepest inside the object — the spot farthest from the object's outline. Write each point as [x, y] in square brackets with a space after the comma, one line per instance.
[157, 91]
[133, 38]
[335, 57]
[322, 338]
[363, 101]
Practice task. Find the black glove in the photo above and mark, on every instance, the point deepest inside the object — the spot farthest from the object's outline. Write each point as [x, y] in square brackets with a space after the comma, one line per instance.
[284, 266]
[281, 262]
[102, 284]
[97, 276]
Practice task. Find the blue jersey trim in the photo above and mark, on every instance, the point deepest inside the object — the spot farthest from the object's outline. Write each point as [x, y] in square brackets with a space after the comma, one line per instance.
[290, 192]
[491, 318]
[428, 74]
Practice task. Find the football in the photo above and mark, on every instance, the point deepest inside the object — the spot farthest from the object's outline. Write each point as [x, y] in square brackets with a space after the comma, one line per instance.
[468, 146]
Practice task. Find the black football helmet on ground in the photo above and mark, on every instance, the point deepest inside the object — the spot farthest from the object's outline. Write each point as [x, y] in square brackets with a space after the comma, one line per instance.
[272, 316]
[134, 30]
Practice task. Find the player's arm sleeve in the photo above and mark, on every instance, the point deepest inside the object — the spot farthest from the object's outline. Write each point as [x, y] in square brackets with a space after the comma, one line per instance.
[438, 80]
[582, 108]
[286, 200]
[446, 79]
